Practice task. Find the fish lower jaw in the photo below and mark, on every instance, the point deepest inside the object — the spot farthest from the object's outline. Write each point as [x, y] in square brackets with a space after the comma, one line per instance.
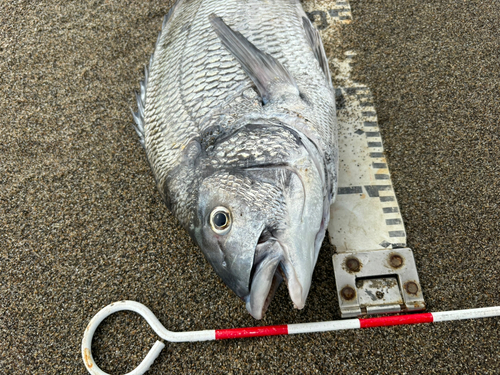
[254, 304]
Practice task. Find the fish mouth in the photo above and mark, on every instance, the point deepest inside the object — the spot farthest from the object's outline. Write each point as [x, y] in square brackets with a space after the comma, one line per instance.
[270, 268]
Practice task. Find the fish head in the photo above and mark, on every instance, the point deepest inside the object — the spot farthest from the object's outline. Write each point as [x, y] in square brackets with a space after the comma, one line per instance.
[257, 226]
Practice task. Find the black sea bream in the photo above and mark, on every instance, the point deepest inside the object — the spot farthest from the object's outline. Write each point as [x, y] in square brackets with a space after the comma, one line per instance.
[237, 117]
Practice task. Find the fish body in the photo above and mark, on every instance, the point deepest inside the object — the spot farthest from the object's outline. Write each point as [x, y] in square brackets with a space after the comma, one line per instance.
[237, 117]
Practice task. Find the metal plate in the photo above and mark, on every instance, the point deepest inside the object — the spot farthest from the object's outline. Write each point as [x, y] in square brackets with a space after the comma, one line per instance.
[376, 282]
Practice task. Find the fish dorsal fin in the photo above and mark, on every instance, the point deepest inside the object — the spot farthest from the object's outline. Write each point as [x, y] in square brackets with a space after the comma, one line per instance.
[316, 44]
[267, 73]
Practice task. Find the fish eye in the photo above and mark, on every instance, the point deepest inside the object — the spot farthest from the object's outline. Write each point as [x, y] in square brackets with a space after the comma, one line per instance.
[220, 220]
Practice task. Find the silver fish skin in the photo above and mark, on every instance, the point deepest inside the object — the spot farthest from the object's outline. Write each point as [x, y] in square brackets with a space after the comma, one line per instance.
[237, 117]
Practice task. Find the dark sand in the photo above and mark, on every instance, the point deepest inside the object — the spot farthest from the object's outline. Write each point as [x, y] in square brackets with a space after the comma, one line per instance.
[81, 224]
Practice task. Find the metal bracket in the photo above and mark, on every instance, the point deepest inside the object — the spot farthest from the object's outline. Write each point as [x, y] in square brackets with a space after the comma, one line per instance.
[377, 282]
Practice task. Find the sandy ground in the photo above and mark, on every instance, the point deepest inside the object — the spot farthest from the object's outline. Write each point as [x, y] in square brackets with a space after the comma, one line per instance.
[81, 224]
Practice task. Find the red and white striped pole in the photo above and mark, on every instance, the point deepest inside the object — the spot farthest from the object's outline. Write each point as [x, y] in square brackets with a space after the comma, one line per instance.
[235, 333]
[337, 325]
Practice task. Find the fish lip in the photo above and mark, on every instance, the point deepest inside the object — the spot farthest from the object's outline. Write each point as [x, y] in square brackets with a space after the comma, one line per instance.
[271, 259]
[267, 262]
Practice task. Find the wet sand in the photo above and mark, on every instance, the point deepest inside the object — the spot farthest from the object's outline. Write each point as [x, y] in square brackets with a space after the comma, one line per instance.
[82, 225]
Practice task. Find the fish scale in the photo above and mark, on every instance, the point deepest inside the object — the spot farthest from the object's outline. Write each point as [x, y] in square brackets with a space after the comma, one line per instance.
[223, 67]
[312, 85]
[264, 34]
[247, 147]
[250, 191]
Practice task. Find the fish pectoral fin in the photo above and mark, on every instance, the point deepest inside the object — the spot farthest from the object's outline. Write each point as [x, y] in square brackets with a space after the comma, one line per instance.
[268, 74]
[316, 44]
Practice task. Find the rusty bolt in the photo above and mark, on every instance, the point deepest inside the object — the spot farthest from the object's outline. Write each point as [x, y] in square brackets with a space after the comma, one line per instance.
[347, 293]
[379, 294]
[396, 261]
[353, 264]
[411, 287]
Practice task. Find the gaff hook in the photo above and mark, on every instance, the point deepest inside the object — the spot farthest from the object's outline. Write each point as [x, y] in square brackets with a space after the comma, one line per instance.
[235, 333]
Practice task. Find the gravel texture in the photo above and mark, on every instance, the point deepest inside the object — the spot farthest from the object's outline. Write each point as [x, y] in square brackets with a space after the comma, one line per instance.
[81, 224]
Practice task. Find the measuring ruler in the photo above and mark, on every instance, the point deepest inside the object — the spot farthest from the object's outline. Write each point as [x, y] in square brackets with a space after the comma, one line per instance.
[374, 270]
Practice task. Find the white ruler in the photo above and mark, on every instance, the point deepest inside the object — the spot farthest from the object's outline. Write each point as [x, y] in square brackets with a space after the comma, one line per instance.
[374, 271]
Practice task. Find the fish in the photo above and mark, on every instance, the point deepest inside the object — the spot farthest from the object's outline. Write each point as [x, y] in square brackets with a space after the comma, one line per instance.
[237, 116]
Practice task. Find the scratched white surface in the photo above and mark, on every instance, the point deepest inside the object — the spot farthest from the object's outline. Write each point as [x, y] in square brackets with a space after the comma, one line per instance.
[365, 215]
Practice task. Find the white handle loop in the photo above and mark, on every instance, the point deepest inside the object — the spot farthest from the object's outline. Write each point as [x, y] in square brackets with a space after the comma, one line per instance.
[155, 324]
